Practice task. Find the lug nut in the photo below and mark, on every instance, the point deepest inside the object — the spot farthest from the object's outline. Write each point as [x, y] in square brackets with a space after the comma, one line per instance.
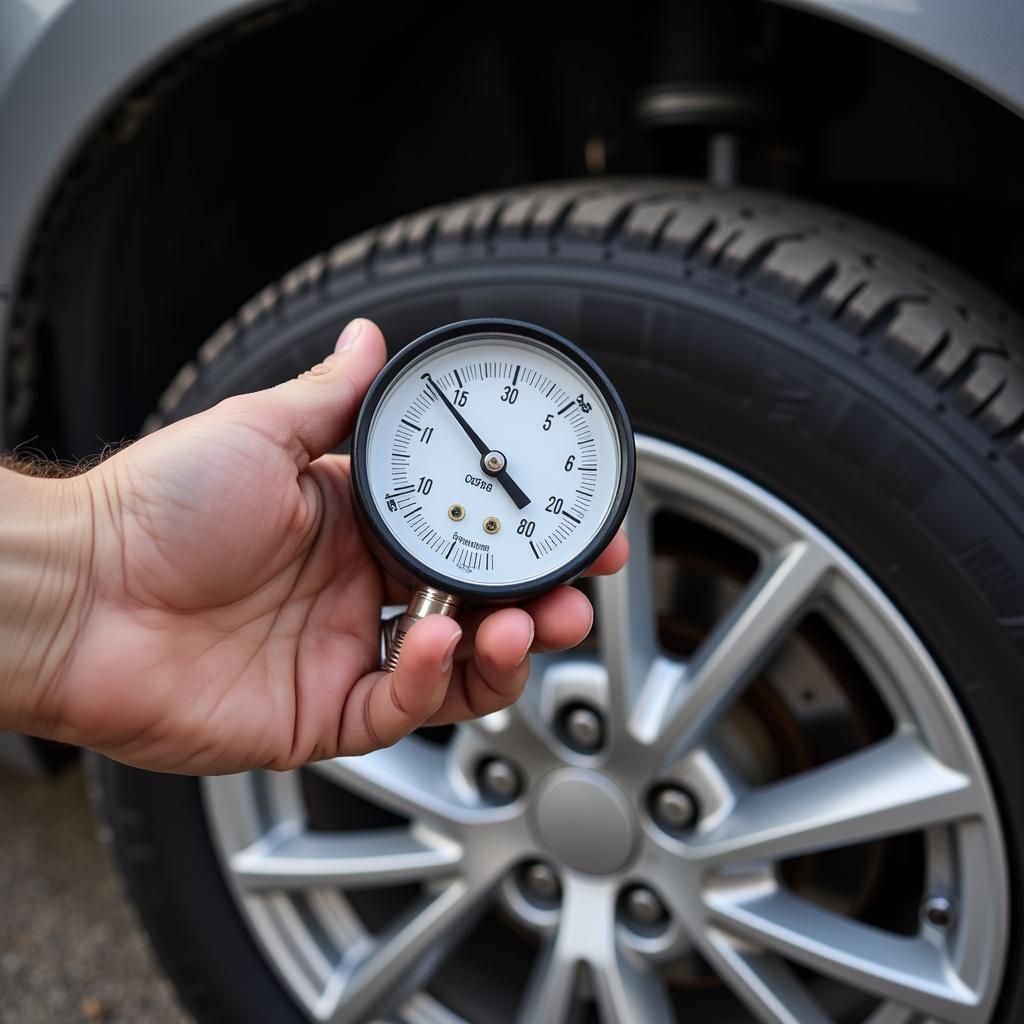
[673, 808]
[937, 909]
[499, 780]
[643, 909]
[541, 884]
[583, 728]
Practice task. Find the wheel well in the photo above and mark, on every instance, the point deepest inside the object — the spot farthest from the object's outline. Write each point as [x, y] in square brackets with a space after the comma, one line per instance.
[227, 169]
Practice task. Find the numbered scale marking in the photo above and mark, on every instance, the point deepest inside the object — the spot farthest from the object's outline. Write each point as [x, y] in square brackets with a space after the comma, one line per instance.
[492, 459]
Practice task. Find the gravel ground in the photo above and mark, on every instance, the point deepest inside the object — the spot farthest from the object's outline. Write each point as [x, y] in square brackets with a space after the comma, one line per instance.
[70, 949]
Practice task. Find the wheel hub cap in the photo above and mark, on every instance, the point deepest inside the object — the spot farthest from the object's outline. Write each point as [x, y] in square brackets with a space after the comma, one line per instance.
[585, 821]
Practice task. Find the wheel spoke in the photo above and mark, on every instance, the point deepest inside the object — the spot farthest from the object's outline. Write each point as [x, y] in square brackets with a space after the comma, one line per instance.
[742, 643]
[515, 732]
[348, 860]
[403, 958]
[626, 986]
[892, 787]
[549, 994]
[629, 988]
[910, 971]
[625, 616]
[411, 778]
[765, 984]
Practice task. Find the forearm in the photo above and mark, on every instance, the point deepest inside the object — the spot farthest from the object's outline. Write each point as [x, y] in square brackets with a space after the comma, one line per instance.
[46, 539]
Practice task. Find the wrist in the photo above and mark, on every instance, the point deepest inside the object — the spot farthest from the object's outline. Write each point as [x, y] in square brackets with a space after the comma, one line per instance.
[46, 569]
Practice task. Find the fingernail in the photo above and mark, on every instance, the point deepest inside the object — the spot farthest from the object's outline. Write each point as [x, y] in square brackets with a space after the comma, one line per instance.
[449, 651]
[348, 336]
[529, 643]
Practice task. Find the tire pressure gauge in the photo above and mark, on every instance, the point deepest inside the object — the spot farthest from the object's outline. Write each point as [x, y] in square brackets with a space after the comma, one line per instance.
[492, 460]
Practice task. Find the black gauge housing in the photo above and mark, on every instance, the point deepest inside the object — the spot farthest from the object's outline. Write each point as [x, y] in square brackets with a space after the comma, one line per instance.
[408, 569]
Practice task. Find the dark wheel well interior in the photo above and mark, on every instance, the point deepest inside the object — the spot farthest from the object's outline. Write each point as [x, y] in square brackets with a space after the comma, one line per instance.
[298, 130]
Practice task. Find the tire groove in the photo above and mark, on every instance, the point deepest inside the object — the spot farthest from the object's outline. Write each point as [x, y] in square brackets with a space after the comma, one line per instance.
[614, 229]
[716, 257]
[694, 247]
[885, 315]
[561, 219]
[817, 284]
[844, 303]
[999, 388]
[760, 255]
[654, 243]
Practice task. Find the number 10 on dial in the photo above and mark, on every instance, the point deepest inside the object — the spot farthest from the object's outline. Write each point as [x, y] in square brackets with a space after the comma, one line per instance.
[492, 460]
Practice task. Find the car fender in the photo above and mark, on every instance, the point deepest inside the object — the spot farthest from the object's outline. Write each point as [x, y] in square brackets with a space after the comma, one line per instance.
[979, 42]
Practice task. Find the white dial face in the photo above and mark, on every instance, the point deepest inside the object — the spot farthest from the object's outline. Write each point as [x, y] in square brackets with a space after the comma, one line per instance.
[438, 483]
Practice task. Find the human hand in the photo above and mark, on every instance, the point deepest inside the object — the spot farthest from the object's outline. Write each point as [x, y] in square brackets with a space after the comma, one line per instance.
[231, 617]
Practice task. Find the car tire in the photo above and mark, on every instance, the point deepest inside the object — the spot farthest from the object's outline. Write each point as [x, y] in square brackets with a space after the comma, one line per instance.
[847, 373]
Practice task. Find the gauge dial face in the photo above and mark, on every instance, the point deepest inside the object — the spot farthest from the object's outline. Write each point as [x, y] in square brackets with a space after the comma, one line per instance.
[494, 461]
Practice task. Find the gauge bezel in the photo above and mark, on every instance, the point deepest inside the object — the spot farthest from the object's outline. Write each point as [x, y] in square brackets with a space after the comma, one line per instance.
[410, 570]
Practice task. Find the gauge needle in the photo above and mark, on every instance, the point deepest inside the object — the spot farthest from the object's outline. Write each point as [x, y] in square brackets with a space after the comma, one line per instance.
[514, 491]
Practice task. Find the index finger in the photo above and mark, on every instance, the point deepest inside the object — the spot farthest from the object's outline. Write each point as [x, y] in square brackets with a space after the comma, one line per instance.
[612, 559]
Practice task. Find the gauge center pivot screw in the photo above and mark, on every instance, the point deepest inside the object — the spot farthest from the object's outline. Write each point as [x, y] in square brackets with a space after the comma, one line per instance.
[426, 601]
[493, 462]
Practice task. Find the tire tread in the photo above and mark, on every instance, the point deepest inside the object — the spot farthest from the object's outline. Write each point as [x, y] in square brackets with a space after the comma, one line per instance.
[873, 287]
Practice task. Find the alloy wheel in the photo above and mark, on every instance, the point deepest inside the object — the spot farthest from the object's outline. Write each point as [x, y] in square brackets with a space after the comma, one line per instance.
[775, 803]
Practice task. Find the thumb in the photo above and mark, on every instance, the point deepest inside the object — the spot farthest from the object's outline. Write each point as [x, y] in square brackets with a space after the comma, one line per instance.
[317, 410]
[383, 707]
